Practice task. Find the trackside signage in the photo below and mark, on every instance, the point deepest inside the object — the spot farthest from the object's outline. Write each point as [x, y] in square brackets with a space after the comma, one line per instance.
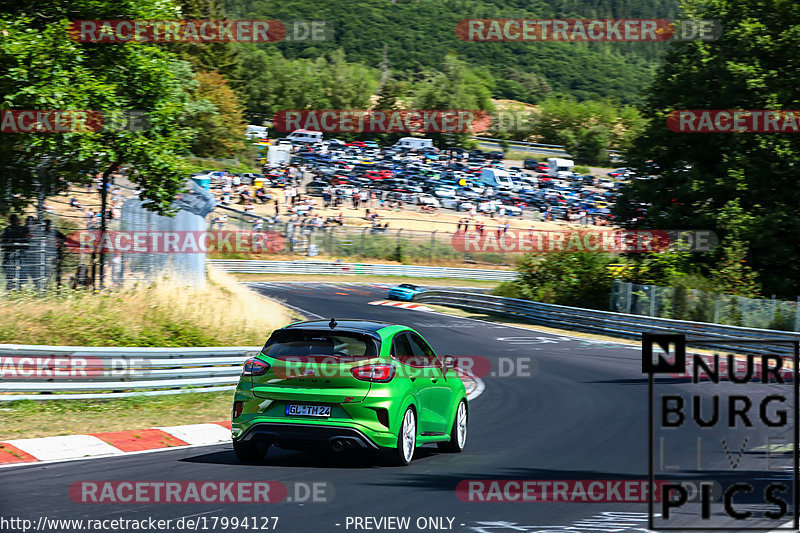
[729, 418]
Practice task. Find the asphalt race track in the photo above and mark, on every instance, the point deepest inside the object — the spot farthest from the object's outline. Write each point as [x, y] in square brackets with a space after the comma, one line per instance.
[580, 414]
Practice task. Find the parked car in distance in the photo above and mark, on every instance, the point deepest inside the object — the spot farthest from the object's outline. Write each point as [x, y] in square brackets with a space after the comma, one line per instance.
[316, 188]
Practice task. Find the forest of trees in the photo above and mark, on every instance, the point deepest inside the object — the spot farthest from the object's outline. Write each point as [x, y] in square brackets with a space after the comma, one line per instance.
[403, 53]
[416, 35]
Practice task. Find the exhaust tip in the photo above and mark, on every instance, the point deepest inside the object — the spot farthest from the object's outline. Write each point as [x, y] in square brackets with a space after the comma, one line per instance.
[337, 445]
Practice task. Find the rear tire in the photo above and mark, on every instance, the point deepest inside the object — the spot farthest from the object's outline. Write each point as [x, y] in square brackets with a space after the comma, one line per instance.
[406, 442]
[458, 433]
[250, 451]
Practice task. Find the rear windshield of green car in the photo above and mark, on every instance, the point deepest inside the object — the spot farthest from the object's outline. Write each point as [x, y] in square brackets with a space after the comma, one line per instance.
[323, 346]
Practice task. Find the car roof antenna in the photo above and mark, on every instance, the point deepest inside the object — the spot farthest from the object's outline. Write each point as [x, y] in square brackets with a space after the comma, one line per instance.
[332, 323]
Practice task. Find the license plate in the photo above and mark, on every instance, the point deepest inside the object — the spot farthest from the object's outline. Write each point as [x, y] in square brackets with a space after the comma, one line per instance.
[308, 410]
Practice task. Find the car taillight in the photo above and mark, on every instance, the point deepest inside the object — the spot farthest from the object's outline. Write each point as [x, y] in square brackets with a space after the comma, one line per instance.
[374, 373]
[238, 407]
[254, 367]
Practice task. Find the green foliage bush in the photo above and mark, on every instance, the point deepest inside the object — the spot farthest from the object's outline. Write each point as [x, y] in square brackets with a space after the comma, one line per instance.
[575, 279]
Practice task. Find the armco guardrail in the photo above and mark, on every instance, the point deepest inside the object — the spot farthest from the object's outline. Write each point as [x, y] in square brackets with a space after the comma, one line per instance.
[610, 323]
[253, 266]
[72, 372]
[549, 149]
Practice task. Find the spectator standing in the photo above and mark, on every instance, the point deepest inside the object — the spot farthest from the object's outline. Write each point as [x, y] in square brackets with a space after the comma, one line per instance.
[14, 239]
[89, 218]
[54, 249]
[219, 221]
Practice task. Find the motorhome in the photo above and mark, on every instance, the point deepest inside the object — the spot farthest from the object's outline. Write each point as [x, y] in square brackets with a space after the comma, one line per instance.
[256, 132]
[559, 168]
[305, 136]
[496, 178]
[413, 143]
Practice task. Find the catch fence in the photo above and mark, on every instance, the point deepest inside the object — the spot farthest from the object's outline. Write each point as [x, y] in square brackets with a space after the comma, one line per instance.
[703, 306]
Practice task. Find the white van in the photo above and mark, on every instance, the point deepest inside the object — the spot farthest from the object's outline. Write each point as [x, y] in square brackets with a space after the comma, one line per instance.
[413, 143]
[559, 168]
[305, 136]
[496, 178]
[256, 132]
[278, 155]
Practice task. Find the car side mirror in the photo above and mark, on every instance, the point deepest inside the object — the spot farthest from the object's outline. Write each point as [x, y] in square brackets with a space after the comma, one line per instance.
[449, 362]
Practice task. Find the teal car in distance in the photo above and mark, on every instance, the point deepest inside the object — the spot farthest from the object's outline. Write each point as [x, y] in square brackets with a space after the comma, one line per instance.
[405, 292]
[352, 384]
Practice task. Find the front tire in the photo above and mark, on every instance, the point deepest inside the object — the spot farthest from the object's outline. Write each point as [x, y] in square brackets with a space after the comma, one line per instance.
[250, 451]
[406, 442]
[458, 433]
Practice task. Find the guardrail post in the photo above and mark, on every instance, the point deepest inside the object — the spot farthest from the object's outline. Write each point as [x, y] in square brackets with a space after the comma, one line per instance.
[797, 315]
[629, 297]
[652, 300]
[364, 241]
[433, 243]
[772, 310]
[742, 322]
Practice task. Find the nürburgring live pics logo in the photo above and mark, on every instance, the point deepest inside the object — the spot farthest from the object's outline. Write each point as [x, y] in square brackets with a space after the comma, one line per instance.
[729, 419]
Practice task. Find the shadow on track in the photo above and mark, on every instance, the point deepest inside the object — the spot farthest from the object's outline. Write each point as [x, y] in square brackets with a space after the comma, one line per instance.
[277, 457]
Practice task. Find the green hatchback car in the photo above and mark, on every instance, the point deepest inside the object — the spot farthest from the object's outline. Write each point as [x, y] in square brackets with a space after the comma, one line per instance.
[352, 384]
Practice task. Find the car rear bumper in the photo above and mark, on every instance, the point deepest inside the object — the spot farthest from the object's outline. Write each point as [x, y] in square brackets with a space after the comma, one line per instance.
[303, 436]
